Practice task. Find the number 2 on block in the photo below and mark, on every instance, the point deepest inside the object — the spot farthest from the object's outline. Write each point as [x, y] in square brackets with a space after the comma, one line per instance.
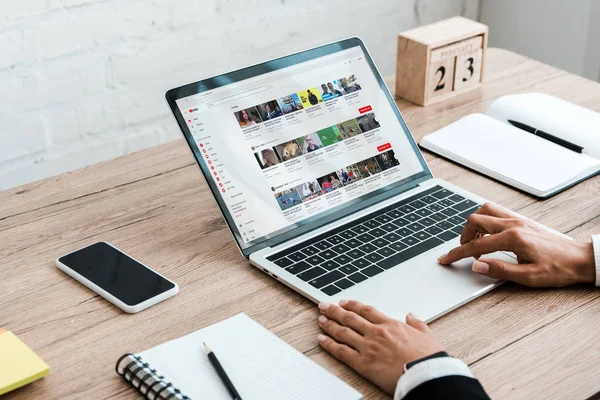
[441, 84]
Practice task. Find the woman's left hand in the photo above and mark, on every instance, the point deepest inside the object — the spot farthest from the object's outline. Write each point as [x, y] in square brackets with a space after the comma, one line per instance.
[374, 345]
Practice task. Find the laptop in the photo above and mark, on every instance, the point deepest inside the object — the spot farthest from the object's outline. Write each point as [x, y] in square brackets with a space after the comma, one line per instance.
[322, 185]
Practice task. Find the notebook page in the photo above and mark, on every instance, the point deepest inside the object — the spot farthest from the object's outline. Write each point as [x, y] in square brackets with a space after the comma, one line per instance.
[552, 115]
[510, 154]
[260, 365]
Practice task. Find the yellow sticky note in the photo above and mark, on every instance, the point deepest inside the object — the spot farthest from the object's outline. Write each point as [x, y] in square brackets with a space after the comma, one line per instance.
[19, 365]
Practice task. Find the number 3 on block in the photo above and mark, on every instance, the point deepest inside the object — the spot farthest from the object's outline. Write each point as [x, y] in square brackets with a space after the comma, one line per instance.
[468, 70]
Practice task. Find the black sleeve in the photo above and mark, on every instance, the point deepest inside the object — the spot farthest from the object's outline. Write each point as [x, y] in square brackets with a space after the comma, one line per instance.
[449, 388]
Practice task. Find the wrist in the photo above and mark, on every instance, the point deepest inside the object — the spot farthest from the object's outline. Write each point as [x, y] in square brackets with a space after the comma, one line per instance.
[584, 263]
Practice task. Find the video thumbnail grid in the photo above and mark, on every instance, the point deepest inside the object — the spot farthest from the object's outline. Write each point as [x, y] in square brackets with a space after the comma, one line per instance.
[314, 141]
[297, 101]
[335, 180]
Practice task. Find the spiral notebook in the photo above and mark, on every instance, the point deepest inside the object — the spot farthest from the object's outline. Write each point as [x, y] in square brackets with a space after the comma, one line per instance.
[260, 365]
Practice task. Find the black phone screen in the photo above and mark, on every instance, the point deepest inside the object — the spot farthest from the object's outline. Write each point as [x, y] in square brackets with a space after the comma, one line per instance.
[116, 273]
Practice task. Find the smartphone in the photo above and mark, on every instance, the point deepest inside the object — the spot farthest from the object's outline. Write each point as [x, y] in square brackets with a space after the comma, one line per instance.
[119, 278]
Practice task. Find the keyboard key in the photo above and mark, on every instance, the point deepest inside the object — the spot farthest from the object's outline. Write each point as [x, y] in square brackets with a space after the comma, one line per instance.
[456, 198]
[445, 225]
[309, 251]
[440, 194]
[326, 279]
[347, 234]
[367, 248]
[360, 229]
[435, 207]
[340, 248]
[417, 204]
[422, 235]
[386, 251]
[371, 224]
[378, 232]
[284, 262]
[423, 212]
[361, 263]
[401, 222]
[449, 212]
[470, 211]
[457, 229]
[388, 227]
[353, 243]
[427, 221]
[335, 239]
[314, 260]
[322, 245]
[355, 253]
[380, 242]
[372, 270]
[330, 265]
[446, 203]
[456, 221]
[357, 277]
[384, 219]
[331, 290]
[415, 227]
[297, 256]
[412, 217]
[344, 283]
[348, 269]
[409, 253]
[406, 209]
[327, 254]
[394, 214]
[465, 205]
[448, 235]
[433, 230]
[428, 199]
[404, 232]
[392, 237]
[438, 217]
[398, 246]
[342, 259]
[365, 237]
[311, 274]
[298, 267]
[410, 241]
[373, 257]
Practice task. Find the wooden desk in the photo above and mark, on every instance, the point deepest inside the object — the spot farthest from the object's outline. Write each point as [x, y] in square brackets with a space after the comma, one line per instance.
[521, 343]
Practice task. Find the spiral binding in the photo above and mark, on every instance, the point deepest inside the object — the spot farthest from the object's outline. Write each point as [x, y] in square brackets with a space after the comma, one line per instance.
[146, 380]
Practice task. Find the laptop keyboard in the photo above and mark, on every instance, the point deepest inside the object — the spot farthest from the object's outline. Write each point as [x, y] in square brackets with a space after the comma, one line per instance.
[352, 253]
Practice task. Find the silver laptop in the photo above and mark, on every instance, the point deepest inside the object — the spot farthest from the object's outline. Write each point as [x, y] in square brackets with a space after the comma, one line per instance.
[322, 184]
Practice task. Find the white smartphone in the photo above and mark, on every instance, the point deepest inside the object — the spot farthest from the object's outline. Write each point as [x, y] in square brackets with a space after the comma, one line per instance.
[119, 278]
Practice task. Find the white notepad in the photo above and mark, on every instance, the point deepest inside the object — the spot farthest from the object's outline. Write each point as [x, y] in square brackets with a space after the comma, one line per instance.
[488, 144]
[260, 365]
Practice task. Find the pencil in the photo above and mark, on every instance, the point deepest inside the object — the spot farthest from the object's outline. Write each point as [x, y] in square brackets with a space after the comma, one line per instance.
[221, 372]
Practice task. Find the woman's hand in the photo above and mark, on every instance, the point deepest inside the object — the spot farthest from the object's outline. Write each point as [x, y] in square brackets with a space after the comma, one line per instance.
[375, 346]
[545, 259]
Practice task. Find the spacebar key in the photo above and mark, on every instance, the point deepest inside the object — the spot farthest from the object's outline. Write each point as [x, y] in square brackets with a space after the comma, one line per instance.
[409, 253]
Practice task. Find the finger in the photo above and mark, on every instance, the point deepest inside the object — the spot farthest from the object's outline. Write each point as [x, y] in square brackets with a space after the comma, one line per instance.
[503, 270]
[345, 318]
[342, 334]
[478, 224]
[345, 354]
[369, 313]
[414, 321]
[494, 210]
[484, 245]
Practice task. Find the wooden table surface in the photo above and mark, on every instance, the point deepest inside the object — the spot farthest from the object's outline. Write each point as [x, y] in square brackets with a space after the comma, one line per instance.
[521, 343]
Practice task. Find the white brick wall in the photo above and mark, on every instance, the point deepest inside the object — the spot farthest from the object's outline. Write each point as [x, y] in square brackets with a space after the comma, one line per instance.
[82, 81]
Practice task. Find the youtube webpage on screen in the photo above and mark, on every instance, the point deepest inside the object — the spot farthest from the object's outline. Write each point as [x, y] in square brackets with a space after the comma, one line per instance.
[294, 143]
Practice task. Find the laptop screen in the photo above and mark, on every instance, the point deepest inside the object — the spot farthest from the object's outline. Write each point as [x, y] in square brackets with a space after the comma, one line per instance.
[295, 144]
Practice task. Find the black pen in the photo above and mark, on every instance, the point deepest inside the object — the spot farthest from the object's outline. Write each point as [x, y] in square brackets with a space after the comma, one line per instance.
[547, 136]
[221, 372]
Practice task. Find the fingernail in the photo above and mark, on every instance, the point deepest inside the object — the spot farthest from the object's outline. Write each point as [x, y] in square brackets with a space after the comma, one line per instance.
[343, 303]
[415, 316]
[321, 338]
[324, 306]
[442, 258]
[480, 267]
[322, 319]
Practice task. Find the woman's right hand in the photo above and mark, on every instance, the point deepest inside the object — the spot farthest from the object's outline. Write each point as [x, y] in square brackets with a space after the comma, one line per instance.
[544, 258]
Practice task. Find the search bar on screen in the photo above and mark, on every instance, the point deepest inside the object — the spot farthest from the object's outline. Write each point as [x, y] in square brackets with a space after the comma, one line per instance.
[237, 96]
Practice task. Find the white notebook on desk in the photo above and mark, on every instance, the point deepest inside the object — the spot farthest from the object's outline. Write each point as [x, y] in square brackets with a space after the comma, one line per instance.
[260, 365]
[490, 145]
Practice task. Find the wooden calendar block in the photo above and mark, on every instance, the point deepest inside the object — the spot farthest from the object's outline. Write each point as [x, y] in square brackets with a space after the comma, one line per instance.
[441, 78]
[468, 70]
[434, 61]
